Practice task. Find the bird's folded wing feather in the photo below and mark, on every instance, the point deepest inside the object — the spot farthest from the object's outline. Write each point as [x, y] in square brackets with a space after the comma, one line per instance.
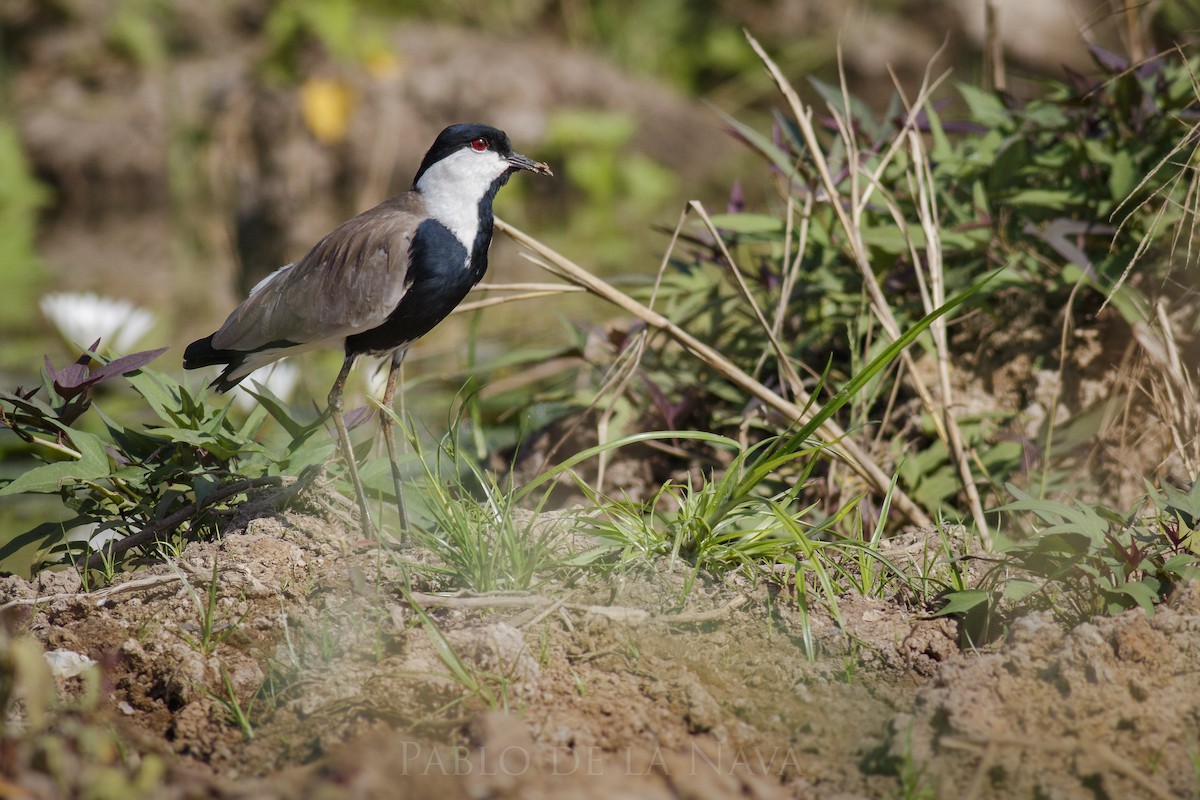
[348, 283]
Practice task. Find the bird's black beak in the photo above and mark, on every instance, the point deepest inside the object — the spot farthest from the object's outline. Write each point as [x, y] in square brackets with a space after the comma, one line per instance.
[519, 161]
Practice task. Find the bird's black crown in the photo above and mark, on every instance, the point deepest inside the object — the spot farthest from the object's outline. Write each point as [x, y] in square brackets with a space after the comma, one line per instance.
[456, 137]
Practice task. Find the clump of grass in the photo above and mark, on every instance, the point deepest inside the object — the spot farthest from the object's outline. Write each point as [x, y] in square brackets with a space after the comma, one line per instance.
[235, 714]
[211, 633]
[484, 539]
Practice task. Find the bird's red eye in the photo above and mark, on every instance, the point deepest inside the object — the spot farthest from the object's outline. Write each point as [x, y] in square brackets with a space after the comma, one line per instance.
[479, 145]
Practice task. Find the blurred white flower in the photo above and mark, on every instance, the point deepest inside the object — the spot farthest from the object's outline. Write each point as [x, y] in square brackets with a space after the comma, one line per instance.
[84, 317]
[280, 379]
[375, 379]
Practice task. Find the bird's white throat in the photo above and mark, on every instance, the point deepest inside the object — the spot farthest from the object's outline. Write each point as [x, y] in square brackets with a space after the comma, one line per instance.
[453, 187]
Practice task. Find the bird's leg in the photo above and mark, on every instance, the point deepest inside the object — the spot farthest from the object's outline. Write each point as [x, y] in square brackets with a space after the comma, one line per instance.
[388, 425]
[335, 409]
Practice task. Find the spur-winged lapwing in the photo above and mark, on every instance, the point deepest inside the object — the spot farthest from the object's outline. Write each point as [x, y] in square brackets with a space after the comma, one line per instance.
[379, 281]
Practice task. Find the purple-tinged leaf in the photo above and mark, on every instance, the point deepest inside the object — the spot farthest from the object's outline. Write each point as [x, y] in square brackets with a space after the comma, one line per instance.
[737, 199]
[1171, 530]
[738, 135]
[1152, 65]
[1108, 59]
[73, 409]
[964, 126]
[1058, 234]
[921, 121]
[70, 380]
[671, 412]
[767, 276]
[126, 364]
[357, 416]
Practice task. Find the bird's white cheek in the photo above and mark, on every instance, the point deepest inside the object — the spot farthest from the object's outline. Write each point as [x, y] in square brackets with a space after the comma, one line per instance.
[465, 175]
[453, 187]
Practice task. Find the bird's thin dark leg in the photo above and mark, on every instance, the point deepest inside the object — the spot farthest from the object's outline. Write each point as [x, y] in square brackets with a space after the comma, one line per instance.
[335, 409]
[389, 437]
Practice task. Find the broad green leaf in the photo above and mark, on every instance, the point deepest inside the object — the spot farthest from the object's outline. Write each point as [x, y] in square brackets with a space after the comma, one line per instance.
[1184, 564]
[91, 465]
[880, 362]
[1186, 501]
[32, 405]
[1005, 165]
[986, 107]
[1143, 592]
[1123, 175]
[1063, 541]
[963, 602]
[763, 145]
[1047, 116]
[1049, 511]
[278, 411]
[979, 198]
[936, 487]
[833, 96]
[965, 241]
[1018, 589]
[1099, 150]
[942, 150]
[893, 240]
[162, 395]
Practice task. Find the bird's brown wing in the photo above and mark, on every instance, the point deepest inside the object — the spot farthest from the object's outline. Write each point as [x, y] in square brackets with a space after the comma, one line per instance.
[348, 283]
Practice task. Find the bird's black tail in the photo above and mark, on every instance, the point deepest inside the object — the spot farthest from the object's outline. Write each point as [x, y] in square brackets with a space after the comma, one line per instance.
[201, 353]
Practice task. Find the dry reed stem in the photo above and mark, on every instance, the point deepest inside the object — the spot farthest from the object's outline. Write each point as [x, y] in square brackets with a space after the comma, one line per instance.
[99, 597]
[1176, 397]
[557, 264]
[942, 413]
[935, 299]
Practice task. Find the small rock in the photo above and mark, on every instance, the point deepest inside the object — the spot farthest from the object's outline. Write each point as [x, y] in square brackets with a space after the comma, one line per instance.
[67, 663]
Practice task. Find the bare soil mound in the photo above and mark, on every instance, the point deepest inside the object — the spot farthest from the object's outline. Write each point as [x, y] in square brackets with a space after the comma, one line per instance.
[633, 685]
[1108, 709]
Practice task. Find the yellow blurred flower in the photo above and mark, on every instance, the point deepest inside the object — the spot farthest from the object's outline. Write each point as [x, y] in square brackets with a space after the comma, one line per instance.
[327, 106]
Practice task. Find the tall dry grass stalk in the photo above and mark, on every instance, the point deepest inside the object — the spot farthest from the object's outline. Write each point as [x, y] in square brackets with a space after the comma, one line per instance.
[863, 183]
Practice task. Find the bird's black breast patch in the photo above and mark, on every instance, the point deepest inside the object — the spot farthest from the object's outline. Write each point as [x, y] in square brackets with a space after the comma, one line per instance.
[439, 278]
